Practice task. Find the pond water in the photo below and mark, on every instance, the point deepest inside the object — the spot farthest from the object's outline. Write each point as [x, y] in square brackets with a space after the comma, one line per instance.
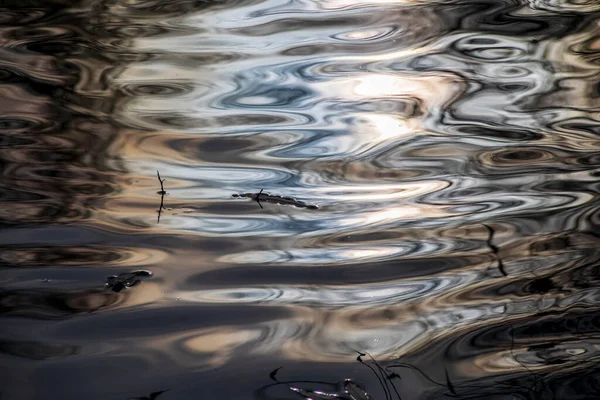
[428, 225]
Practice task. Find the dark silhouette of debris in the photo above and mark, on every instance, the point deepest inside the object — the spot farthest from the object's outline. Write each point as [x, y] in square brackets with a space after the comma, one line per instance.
[162, 190]
[382, 375]
[116, 283]
[257, 198]
[273, 373]
[162, 193]
[275, 199]
[394, 375]
[343, 390]
[152, 396]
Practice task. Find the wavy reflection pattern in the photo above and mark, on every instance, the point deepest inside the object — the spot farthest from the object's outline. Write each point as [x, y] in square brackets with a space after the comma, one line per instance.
[452, 148]
[411, 134]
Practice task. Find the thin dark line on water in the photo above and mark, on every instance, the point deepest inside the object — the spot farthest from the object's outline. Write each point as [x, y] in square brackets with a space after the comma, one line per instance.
[381, 382]
[449, 382]
[494, 249]
[384, 378]
[258, 198]
[162, 188]
[387, 378]
[512, 348]
[162, 193]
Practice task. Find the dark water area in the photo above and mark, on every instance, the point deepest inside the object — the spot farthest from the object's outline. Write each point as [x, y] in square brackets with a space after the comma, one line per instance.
[428, 226]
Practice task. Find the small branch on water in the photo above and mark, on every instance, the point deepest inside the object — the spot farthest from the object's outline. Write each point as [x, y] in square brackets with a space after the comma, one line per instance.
[162, 189]
[162, 193]
[263, 196]
[258, 198]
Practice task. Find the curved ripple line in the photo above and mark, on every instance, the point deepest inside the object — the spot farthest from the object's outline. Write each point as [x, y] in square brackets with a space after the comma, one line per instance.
[326, 296]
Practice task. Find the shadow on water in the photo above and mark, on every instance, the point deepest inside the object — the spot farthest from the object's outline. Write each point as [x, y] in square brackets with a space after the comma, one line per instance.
[426, 176]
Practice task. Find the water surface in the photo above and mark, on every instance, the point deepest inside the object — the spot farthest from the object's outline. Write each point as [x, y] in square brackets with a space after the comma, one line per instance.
[451, 147]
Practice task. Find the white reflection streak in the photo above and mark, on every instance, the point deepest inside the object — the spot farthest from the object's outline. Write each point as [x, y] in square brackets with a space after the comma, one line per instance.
[382, 191]
[353, 254]
[389, 127]
[363, 295]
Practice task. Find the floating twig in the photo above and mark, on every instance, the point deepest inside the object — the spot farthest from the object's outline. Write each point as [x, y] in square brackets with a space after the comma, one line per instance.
[257, 197]
[160, 207]
[162, 190]
[162, 193]
[275, 199]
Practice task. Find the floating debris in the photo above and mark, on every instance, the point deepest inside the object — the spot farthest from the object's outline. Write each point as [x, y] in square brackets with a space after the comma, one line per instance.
[275, 199]
[386, 375]
[162, 193]
[347, 390]
[382, 375]
[344, 390]
[116, 283]
[162, 190]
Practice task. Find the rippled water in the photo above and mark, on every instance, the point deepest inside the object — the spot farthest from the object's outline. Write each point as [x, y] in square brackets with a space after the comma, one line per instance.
[452, 149]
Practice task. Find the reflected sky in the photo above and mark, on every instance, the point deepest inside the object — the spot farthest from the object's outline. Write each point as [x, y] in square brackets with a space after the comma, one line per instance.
[451, 148]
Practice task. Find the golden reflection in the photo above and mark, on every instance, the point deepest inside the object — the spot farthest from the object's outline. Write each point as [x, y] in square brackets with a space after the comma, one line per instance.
[410, 98]
[393, 192]
[364, 34]
[219, 344]
[388, 126]
[384, 85]
[409, 211]
[430, 88]
[152, 293]
[369, 253]
[316, 256]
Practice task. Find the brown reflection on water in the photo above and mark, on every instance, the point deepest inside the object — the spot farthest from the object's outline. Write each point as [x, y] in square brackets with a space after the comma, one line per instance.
[57, 168]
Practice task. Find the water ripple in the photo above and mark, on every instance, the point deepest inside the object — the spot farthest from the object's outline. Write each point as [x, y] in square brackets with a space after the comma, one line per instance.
[452, 149]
